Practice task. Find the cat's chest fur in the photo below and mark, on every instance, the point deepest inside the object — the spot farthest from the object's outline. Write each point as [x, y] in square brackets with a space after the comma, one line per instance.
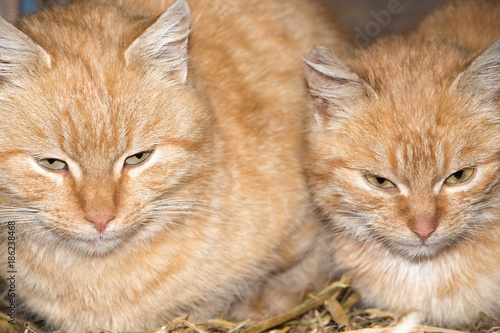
[451, 287]
[103, 292]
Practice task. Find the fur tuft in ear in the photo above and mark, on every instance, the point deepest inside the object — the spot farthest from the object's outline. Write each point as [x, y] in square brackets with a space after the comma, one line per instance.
[163, 46]
[18, 52]
[334, 85]
[482, 78]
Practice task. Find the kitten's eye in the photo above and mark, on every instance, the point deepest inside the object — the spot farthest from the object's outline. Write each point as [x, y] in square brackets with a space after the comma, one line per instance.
[138, 158]
[53, 164]
[459, 177]
[379, 181]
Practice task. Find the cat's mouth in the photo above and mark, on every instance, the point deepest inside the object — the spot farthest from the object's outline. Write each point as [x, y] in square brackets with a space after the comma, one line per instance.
[97, 243]
[419, 250]
[101, 244]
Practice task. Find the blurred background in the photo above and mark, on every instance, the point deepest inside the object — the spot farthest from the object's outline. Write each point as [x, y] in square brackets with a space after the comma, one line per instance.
[367, 18]
[11, 9]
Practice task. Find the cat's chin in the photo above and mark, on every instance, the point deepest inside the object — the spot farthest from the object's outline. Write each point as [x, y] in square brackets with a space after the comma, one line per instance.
[417, 251]
[98, 244]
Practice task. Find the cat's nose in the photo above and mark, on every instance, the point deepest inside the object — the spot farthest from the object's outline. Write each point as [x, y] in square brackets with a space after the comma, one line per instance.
[100, 218]
[424, 224]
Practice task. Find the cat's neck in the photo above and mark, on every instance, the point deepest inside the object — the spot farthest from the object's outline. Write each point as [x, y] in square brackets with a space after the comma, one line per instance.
[463, 276]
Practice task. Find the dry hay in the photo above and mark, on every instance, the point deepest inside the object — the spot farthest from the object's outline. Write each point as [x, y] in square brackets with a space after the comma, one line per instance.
[331, 310]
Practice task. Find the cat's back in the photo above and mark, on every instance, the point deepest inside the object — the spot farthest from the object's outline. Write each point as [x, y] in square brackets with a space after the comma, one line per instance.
[296, 24]
[253, 49]
[475, 24]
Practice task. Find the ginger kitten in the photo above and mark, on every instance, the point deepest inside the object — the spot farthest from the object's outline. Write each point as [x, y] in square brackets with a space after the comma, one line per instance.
[150, 170]
[405, 163]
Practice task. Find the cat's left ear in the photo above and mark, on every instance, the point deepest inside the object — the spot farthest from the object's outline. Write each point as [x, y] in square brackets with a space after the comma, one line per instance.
[337, 89]
[163, 46]
[18, 53]
[482, 78]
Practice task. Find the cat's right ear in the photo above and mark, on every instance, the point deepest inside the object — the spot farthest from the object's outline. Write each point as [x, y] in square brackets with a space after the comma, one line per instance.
[18, 52]
[163, 46]
[335, 87]
[482, 78]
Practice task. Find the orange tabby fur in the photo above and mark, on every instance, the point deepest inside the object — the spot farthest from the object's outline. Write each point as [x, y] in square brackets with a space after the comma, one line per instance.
[221, 203]
[414, 111]
[473, 24]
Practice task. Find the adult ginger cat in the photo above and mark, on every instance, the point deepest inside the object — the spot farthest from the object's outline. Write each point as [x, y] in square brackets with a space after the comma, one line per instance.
[144, 176]
[405, 163]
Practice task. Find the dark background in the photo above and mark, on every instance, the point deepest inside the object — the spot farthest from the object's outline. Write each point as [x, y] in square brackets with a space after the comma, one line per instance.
[358, 13]
[366, 18]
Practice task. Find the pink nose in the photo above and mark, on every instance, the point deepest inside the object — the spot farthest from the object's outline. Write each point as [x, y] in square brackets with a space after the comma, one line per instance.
[100, 218]
[424, 224]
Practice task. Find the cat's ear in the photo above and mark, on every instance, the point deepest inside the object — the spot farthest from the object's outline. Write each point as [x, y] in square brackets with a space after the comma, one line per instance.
[163, 46]
[482, 78]
[335, 87]
[18, 52]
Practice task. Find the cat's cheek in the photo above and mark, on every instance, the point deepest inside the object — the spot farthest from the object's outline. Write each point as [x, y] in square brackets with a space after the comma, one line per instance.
[50, 195]
[470, 201]
[162, 171]
[355, 182]
[27, 180]
[56, 177]
[483, 176]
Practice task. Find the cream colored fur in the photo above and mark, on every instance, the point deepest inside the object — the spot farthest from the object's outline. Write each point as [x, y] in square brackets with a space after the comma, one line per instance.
[216, 94]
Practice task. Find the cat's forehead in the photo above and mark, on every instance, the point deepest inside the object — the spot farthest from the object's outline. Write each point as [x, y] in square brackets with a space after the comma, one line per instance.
[419, 135]
[82, 117]
[84, 29]
[416, 115]
[402, 64]
[89, 102]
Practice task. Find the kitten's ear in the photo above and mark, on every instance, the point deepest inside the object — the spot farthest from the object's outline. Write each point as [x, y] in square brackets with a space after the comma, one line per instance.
[482, 78]
[336, 88]
[18, 52]
[163, 46]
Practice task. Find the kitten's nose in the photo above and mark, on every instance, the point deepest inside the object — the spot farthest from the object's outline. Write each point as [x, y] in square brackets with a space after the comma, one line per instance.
[423, 225]
[100, 218]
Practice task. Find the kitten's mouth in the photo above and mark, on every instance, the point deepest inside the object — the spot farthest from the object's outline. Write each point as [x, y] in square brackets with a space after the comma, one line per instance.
[99, 243]
[418, 250]
[101, 238]
[104, 238]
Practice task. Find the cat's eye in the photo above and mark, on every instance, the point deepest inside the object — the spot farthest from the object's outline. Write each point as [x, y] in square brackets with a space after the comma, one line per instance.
[53, 164]
[138, 158]
[459, 177]
[379, 182]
